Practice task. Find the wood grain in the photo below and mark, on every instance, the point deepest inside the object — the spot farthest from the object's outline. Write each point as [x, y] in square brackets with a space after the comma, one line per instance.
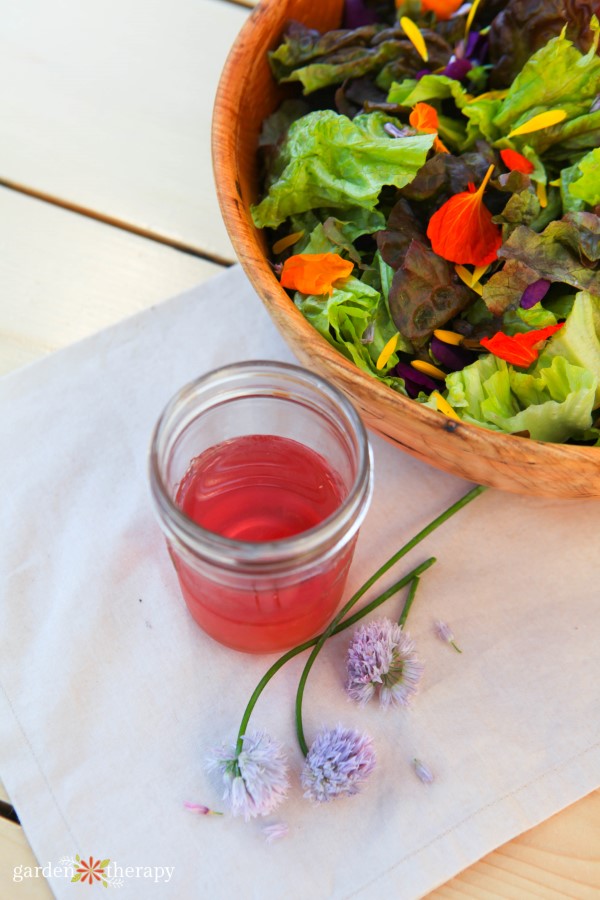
[247, 93]
[559, 858]
[15, 851]
[63, 277]
[111, 110]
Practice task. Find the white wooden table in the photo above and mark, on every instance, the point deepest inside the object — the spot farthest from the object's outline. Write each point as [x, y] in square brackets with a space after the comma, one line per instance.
[106, 207]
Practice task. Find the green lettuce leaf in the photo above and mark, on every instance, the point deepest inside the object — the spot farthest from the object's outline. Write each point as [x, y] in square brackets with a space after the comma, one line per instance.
[578, 341]
[551, 402]
[568, 175]
[337, 234]
[329, 160]
[557, 76]
[429, 87]
[353, 311]
[587, 186]
[518, 30]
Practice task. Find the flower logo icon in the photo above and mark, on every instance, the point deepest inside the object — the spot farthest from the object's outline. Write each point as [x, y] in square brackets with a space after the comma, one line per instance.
[91, 871]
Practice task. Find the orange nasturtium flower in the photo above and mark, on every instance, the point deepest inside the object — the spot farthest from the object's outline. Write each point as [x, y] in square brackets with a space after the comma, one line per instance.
[443, 9]
[516, 162]
[519, 349]
[314, 273]
[425, 118]
[462, 230]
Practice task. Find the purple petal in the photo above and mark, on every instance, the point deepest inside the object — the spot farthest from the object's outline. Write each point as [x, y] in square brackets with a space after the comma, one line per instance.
[414, 381]
[356, 14]
[457, 68]
[422, 72]
[534, 293]
[477, 46]
[449, 355]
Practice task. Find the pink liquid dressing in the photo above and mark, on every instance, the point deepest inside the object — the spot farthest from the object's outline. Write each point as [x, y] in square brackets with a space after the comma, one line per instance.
[260, 488]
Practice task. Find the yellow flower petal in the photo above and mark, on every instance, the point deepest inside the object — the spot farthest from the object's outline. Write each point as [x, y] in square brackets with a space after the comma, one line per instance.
[443, 406]
[414, 35]
[471, 16]
[490, 95]
[428, 369]
[449, 337]
[478, 273]
[542, 196]
[543, 120]
[285, 242]
[467, 278]
[387, 351]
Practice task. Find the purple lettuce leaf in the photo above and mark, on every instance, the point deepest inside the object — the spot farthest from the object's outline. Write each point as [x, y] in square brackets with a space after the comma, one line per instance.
[425, 294]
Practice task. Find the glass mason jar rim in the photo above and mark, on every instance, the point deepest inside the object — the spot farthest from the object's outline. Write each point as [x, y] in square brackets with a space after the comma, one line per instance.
[243, 381]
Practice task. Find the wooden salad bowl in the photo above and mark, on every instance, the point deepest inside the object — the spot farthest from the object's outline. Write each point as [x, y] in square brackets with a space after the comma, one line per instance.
[247, 93]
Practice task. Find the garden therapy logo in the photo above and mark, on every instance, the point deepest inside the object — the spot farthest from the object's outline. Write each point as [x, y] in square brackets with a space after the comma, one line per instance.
[91, 871]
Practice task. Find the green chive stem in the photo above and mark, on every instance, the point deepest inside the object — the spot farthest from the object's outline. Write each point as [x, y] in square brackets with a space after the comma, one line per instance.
[435, 523]
[409, 601]
[278, 664]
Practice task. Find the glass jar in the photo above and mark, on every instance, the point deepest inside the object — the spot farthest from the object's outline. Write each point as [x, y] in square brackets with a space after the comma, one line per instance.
[260, 594]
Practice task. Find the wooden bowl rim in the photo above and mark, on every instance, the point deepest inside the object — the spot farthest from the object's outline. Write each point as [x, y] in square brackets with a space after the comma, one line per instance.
[246, 242]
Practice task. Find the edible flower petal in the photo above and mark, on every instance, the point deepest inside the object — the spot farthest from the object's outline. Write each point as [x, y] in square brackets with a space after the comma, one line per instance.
[534, 293]
[387, 351]
[314, 273]
[543, 120]
[427, 368]
[423, 772]
[462, 230]
[519, 349]
[443, 406]
[288, 241]
[414, 35]
[338, 762]
[443, 9]
[471, 16]
[414, 381]
[516, 162]
[424, 118]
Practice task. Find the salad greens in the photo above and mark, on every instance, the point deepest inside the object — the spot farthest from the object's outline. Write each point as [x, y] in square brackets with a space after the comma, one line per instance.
[465, 190]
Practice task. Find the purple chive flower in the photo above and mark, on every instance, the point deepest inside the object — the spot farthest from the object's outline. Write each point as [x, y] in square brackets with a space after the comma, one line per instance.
[200, 809]
[444, 632]
[382, 656]
[338, 762]
[396, 132]
[368, 334]
[422, 771]
[534, 293]
[256, 779]
[275, 832]
[414, 381]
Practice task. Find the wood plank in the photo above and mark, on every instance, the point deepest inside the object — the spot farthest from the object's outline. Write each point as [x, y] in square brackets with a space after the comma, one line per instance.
[110, 109]
[15, 851]
[557, 859]
[64, 276]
